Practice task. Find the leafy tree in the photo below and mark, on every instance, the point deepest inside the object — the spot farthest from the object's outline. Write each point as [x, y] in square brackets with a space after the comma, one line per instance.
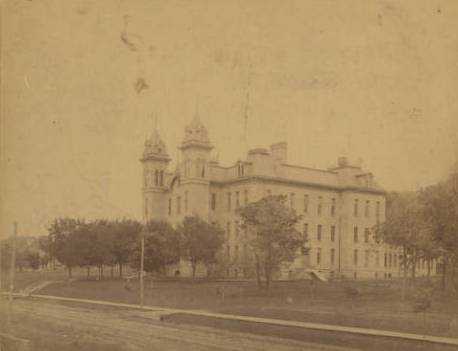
[46, 246]
[402, 226]
[62, 235]
[441, 213]
[162, 247]
[124, 238]
[200, 241]
[274, 237]
[33, 259]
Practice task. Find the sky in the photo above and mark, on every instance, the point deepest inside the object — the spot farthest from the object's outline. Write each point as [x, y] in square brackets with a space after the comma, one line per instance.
[375, 81]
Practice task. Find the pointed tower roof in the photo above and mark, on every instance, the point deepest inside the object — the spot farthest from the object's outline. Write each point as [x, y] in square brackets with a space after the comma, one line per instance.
[155, 148]
[196, 135]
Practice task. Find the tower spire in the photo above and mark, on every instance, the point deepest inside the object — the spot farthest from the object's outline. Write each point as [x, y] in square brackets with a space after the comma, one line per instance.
[196, 113]
[153, 117]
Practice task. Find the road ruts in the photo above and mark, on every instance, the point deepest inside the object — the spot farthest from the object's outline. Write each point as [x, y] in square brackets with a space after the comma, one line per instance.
[138, 330]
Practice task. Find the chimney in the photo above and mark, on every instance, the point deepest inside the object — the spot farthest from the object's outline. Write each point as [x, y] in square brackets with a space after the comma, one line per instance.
[279, 151]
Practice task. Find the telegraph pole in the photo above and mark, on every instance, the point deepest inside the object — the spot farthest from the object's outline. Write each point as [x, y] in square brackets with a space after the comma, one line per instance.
[1, 268]
[13, 262]
[142, 259]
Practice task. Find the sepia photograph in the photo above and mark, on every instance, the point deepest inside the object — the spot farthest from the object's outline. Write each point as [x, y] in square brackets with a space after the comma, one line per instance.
[228, 175]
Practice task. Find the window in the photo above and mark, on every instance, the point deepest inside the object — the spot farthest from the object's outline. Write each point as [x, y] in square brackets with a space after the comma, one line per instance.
[240, 170]
[229, 200]
[318, 256]
[355, 234]
[366, 258]
[228, 250]
[333, 254]
[236, 252]
[156, 178]
[185, 201]
[355, 208]
[355, 257]
[245, 195]
[390, 258]
[366, 235]
[333, 232]
[228, 230]
[318, 232]
[306, 231]
[377, 258]
[179, 205]
[170, 207]
[320, 205]
[395, 260]
[385, 264]
[291, 200]
[377, 210]
[237, 199]
[333, 207]
[306, 203]
[366, 209]
[213, 202]
[146, 209]
[236, 229]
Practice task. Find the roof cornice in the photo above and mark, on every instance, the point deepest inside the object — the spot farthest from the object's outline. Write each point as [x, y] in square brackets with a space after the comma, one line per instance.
[297, 183]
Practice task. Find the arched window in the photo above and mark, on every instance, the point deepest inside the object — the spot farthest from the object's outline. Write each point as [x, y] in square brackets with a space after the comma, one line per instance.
[203, 170]
[161, 178]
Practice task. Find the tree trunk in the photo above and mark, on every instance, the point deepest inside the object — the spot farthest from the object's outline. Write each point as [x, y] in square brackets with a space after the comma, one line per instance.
[268, 273]
[120, 270]
[194, 266]
[404, 268]
[258, 272]
[88, 269]
[429, 268]
[444, 273]
[414, 264]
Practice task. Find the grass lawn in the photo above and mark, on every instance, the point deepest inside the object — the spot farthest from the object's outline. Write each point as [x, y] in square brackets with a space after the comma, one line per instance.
[378, 304]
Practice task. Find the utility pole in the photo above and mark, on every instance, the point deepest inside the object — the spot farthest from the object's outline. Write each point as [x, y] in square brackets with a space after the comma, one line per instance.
[1, 268]
[142, 259]
[13, 262]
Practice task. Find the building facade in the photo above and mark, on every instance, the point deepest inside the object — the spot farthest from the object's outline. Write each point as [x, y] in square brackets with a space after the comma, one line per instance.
[340, 206]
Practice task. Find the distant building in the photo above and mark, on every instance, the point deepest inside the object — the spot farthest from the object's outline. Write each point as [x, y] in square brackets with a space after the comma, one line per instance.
[340, 205]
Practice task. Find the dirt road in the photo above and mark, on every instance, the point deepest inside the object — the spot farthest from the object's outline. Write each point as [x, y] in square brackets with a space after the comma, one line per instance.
[53, 326]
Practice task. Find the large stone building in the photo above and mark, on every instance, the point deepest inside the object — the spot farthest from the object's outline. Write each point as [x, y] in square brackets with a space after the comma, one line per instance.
[340, 205]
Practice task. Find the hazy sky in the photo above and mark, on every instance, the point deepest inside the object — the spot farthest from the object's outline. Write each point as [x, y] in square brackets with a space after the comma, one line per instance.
[375, 80]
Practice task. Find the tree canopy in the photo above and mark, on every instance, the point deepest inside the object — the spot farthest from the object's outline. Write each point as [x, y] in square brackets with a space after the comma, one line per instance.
[274, 238]
[200, 241]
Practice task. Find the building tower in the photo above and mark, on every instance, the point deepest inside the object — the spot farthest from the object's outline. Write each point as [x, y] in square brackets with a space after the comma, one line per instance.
[155, 161]
[195, 155]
